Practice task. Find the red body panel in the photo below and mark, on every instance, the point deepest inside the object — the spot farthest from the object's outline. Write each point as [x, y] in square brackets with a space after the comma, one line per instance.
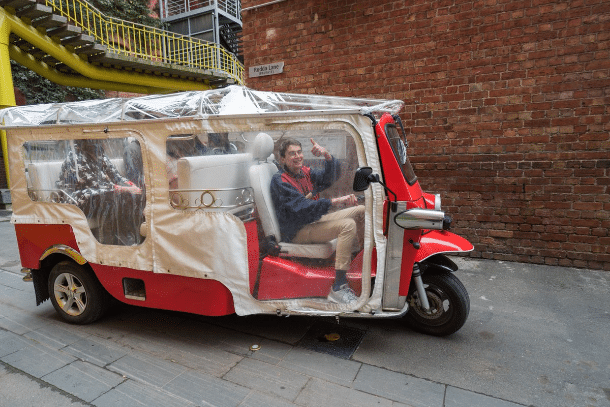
[33, 240]
[392, 172]
[284, 278]
[163, 291]
[441, 241]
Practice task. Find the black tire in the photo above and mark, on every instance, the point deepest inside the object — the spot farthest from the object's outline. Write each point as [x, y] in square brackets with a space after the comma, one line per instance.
[76, 294]
[448, 300]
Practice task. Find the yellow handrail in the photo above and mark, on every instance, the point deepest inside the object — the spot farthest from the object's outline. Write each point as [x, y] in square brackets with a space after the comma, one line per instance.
[149, 43]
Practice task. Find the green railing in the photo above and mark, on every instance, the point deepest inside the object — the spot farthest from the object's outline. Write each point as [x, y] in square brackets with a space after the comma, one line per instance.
[148, 43]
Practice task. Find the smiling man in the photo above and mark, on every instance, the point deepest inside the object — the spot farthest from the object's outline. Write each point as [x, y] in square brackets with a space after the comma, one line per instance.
[304, 217]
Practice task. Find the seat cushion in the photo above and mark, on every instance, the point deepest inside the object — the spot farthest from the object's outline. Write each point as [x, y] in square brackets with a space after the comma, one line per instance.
[311, 251]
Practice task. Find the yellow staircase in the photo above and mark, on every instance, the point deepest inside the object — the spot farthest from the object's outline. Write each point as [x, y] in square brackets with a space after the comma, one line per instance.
[72, 43]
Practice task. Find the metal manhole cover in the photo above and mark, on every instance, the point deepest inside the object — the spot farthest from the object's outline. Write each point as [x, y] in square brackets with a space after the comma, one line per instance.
[332, 339]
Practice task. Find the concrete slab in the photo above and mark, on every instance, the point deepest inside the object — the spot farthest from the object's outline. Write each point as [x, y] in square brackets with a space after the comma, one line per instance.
[55, 336]
[270, 351]
[399, 387]
[96, 351]
[463, 398]
[203, 389]
[38, 360]
[321, 366]
[256, 399]
[147, 369]
[134, 394]
[83, 380]
[322, 393]
[267, 378]
[19, 390]
[202, 357]
[20, 321]
[11, 343]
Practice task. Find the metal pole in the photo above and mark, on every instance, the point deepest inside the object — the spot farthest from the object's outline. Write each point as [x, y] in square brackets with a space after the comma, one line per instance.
[7, 90]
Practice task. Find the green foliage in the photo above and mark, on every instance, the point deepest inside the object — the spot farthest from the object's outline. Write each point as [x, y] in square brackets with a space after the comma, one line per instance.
[136, 11]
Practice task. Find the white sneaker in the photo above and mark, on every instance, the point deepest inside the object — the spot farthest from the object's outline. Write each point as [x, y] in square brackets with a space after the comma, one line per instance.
[344, 295]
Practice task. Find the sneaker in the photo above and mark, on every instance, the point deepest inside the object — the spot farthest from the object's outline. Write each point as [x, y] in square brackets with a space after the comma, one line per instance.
[344, 295]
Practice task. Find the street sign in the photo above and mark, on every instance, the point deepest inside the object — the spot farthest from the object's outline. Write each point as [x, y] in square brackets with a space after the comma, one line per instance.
[264, 70]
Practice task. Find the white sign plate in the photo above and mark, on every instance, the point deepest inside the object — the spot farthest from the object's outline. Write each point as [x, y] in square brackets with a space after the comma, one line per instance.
[264, 70]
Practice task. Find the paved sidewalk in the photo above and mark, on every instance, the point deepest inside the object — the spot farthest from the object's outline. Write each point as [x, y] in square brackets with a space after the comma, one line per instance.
[139, 357]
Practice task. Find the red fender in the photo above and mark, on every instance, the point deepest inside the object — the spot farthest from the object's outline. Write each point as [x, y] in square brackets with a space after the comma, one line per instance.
[433, 242]
[438, 241]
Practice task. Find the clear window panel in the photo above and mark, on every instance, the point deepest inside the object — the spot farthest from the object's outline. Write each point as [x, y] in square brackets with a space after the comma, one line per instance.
[104, 178]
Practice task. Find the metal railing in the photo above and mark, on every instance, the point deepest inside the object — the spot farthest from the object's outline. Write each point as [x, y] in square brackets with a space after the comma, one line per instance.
[148, 43]
[176, 7]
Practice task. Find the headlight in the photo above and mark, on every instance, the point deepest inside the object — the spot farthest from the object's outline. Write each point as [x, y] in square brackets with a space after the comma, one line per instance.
[418, 218]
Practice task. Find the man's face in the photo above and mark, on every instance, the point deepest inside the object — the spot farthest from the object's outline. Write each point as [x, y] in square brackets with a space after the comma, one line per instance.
[293, 159]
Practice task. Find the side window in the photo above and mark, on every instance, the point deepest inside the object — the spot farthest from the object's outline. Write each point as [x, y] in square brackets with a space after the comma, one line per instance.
[209, 172]
[103, 178]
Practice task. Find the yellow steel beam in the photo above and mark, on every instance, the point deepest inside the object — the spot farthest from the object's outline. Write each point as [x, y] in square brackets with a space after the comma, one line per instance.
[7, 91]
[52, 74]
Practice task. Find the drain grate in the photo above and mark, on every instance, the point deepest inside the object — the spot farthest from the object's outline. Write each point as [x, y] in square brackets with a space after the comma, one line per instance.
[332, 339]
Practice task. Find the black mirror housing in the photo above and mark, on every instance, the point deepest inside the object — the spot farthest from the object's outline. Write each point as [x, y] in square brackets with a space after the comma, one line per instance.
[363, 177]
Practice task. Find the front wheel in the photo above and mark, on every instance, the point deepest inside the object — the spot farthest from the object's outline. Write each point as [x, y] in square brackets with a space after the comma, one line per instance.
[76, 294]
[449, 305]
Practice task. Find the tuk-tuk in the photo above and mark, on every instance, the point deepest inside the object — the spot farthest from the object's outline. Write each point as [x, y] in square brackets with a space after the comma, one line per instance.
[164, 202]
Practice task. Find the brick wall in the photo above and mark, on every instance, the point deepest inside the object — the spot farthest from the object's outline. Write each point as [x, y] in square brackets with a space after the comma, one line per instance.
[506, 106]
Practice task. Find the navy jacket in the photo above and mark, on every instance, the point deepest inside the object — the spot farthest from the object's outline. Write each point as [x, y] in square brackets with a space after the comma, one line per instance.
[292, 208]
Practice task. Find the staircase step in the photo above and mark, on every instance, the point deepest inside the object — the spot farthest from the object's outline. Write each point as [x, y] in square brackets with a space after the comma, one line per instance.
[49, 22]
[78, 40]
[64, 31]
[35, 11]
[92, 49]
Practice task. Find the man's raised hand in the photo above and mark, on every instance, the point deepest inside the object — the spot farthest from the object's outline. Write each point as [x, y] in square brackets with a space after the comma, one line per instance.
[318, 150]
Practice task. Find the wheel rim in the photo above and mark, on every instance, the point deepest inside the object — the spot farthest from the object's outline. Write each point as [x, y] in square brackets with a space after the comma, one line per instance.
[70, 294]
[440, 305]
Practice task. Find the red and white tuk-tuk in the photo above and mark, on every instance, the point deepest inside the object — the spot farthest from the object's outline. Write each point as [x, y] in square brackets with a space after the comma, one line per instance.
[194, 229]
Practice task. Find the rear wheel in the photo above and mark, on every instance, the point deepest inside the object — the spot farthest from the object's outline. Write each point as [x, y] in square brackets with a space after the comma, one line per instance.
[76, 294]
[449, 305]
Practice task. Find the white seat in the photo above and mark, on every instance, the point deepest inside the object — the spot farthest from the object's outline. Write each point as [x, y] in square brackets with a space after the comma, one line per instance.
[260, 178]
[43, 176]
[220, 180]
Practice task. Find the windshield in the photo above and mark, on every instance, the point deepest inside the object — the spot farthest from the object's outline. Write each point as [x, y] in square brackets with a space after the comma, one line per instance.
[399, 147]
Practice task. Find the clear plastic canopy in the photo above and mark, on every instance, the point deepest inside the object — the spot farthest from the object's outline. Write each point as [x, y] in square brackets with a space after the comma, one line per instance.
[232, 100]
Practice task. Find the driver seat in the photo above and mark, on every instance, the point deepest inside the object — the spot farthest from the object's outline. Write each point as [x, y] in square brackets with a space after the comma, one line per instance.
[261, 173]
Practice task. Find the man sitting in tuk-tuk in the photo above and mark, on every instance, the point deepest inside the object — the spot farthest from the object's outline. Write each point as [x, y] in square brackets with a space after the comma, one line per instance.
[304, 217]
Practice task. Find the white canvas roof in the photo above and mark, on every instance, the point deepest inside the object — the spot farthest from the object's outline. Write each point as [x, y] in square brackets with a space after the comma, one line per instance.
[229, 101]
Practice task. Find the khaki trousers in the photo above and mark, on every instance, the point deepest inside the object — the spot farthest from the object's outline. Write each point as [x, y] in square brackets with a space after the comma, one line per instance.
[346, 225]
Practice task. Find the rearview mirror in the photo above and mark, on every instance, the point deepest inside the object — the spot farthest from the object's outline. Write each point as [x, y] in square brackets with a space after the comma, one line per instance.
[363, 177]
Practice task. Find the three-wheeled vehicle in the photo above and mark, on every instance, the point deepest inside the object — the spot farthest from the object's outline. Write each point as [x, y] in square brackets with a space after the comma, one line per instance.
[164, 202]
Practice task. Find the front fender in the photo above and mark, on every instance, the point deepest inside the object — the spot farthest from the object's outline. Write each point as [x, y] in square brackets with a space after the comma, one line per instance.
[441, 241]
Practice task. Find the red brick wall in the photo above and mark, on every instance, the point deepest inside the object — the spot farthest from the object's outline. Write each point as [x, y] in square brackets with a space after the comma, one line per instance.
[506, 106]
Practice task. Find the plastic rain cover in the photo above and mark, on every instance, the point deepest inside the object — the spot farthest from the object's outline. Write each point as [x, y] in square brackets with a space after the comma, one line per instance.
[232, 100]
